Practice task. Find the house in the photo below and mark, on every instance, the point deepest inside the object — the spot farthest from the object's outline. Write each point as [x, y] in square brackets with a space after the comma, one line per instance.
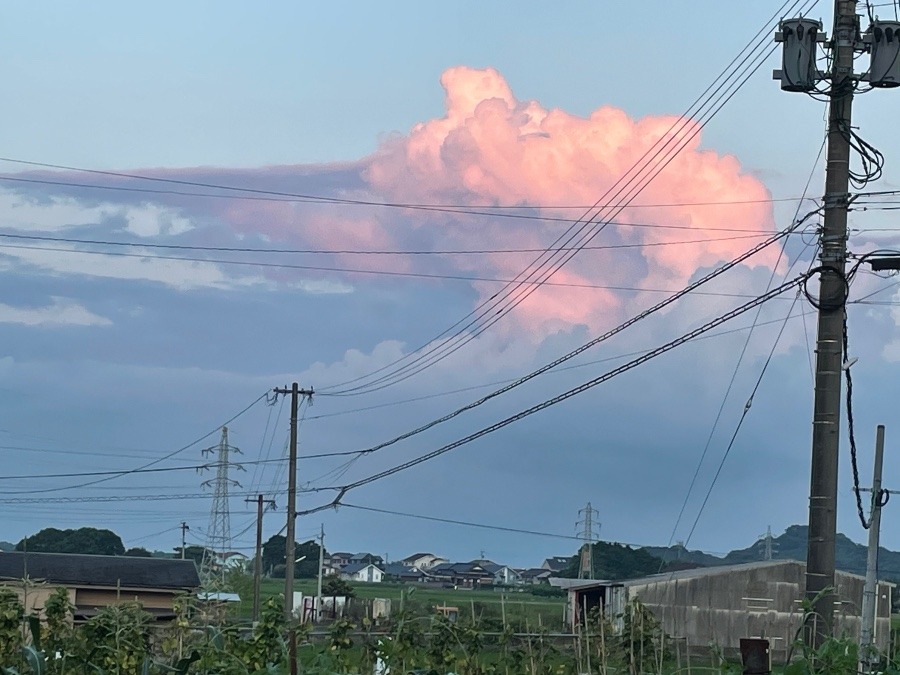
[362, 572]
[97, 581]
[535, 575]
[557, 564]
[503, 575]
[423, 561]
[468, 575]
[401, 572]
[365, 559]
[720, 605]
[329, 569]
[338, 560]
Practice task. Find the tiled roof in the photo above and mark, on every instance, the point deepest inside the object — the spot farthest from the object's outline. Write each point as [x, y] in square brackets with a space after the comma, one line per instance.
[74, 569]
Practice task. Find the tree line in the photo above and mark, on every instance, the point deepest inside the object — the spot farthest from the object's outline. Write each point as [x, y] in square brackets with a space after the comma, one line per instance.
[96, 541]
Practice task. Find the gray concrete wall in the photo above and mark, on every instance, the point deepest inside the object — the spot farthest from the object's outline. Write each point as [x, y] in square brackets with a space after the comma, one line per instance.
[722, 606]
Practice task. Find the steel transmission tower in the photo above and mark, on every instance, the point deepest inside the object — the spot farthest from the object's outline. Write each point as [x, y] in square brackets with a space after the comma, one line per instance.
[767, 545]
[590, 532]
[218, 532]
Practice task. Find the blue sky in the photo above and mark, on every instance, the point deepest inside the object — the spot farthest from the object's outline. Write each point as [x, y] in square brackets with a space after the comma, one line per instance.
[111, 362]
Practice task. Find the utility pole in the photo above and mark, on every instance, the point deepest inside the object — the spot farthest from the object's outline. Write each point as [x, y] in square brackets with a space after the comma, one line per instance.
[829, 340]
[257, 562]
[800, 73]
[870, 591]
[184, 529]
[318, 608]
[289, 543]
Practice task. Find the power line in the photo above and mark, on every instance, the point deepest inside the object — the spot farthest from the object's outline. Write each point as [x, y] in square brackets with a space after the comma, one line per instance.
[399, 252]
[623, 192]
[560, 369]
[342, 490]
[496, 528]
[434, 519]
[591, 343]
[292, 197]
[740, 422]
[155, 461]
[389, 273]
[163, 469]
[124, 498]
[743, 353]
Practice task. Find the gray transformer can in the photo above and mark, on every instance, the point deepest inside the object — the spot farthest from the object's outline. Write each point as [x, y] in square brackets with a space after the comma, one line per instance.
[798, 55]
[884, 68]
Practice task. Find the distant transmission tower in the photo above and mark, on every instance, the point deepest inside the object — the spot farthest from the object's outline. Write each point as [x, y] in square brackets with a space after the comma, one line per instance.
[218, 532]
[767, 545]
[590, 532]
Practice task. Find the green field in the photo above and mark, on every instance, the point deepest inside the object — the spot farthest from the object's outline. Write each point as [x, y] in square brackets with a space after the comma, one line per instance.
[521, 608]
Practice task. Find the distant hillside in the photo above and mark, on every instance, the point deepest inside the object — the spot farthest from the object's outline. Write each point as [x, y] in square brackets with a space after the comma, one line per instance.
[7, 546]
[849, 556]
[679, 554]
[617, 561]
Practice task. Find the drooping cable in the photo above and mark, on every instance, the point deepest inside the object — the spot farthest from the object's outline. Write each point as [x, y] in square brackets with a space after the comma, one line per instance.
[625, 190]
[597, 340]
[687, 337]
[743, 353]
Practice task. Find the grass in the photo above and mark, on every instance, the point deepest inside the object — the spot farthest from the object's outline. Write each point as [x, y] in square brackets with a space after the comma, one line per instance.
[521, 607]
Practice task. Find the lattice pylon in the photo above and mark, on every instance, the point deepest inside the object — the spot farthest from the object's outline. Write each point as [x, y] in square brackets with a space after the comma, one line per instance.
[218, 532]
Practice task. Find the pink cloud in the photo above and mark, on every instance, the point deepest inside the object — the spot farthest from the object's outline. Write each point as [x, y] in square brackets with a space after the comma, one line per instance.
[491, 148]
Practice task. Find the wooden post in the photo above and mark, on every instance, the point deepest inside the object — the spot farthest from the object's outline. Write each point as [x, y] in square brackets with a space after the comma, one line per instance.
[587, 634]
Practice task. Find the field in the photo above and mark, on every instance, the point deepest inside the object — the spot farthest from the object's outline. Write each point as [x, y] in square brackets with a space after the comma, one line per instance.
[521, 608]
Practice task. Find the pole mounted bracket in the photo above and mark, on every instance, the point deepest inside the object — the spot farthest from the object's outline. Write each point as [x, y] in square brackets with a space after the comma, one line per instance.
[836, 200]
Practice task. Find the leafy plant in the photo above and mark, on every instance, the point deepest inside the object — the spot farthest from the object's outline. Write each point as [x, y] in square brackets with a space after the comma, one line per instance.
[11, 615]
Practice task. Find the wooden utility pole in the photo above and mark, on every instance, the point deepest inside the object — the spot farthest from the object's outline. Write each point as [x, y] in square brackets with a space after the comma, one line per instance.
[257, 562]
[295, 391]
[829, 341]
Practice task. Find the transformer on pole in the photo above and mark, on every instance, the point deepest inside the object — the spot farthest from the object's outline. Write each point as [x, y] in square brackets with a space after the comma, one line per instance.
[800, 38]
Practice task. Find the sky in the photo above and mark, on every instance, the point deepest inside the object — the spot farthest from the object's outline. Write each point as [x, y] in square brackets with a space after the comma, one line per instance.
[314, 128]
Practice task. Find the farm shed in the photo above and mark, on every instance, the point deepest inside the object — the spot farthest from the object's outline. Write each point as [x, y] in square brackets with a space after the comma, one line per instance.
[720, 605]
[97, 581]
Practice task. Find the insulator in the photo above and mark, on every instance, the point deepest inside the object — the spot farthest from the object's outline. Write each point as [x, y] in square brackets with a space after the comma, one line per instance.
[798, 55]
[884, 68]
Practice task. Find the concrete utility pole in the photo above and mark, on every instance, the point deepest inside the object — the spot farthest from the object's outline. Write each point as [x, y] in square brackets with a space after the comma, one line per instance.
[261, 501]
[870, 591]
[184, 529]
[800, 73]
[829, 340]
[289, 543]
[318, 608]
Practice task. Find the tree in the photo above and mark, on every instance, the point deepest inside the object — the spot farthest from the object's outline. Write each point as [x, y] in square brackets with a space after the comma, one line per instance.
[618, 561]
[273, 553]
[138, 552]
[194, 553]
[87, 540]
[338, 588]
[307, 553]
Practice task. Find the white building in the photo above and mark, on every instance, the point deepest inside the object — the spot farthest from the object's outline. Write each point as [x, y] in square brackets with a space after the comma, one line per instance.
[362, 572]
